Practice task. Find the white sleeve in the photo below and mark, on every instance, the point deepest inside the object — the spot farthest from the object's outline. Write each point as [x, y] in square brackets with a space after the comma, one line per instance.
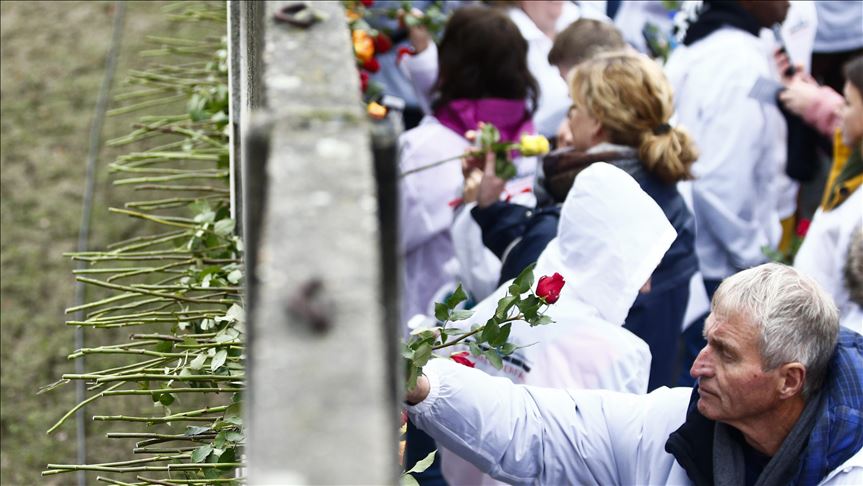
[527, 435]
[730, 180]
[424, 197]
[421, 70]
[479, 268]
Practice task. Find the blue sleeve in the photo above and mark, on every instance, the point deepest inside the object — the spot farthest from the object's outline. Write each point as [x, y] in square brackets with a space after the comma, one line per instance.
[501, 224]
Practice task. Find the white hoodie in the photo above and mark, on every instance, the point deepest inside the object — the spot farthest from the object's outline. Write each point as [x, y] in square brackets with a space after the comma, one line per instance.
[611, 237]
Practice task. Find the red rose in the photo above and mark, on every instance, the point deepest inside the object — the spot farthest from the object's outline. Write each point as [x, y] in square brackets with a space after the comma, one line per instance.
[461, 358]
[364, 81]
[372, 65]
[548, 288]
[402, 52]
[367, 3]
[803, 227]
[383, 43]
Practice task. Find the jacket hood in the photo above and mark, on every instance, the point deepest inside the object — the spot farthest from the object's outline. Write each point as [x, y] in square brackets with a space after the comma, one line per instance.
[611, 237]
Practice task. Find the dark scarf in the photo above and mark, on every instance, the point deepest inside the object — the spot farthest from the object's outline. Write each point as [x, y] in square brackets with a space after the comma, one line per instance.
[716, 14]
[560, 167]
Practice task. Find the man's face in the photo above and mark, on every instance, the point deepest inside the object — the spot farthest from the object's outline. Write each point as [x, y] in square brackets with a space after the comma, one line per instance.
[732, 385]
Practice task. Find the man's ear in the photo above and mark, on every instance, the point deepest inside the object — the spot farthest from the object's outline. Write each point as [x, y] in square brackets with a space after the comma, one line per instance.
[793, 376]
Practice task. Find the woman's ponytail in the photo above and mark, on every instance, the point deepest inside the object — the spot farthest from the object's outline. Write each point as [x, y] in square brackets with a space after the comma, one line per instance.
[668, 154]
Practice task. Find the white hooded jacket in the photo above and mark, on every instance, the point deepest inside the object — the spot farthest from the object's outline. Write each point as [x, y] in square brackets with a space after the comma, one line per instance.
[611, 237]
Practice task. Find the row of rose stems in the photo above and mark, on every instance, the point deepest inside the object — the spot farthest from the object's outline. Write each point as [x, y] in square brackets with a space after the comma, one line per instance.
[178, 81]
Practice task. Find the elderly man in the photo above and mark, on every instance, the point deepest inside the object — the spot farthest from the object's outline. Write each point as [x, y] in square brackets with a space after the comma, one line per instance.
[779, 400]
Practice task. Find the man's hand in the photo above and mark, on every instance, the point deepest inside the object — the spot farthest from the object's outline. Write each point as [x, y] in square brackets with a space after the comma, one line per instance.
[419, 393]
[799, 96]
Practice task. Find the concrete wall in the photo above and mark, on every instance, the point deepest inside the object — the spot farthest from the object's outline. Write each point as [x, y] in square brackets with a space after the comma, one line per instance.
[323, 382]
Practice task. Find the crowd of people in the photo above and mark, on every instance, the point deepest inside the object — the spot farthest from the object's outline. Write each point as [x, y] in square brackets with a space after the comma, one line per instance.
[707, 333]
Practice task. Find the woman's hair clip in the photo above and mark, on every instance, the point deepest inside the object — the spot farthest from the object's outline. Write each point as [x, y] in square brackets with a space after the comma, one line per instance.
[662, 129]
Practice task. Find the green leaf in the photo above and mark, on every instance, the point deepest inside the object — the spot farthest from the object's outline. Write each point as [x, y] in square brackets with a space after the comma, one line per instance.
[422, 354]
[530, 307]
[457, 297]
[493, 358]
[193, 430]
[504, 305]
[423, 464]
[413, 374]
[524, 281]
[219, 441]
[490, 332]
[219, 359]
[542, 321]
[235, 276]
[224, 227]
[514, 290]
[507, 349]
[229, 455]
[460, 315]
[441, 312]
[198, 362]
[233, 436]
[474, 348]
[166, 399]
[164, 347]
[200, 454]
[236, 313]
[501, 336]
[408, 480]
[205, 217]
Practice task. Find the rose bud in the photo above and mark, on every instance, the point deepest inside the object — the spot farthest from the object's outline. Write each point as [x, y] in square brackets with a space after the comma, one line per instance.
[383, 43]
[367, 3]
[533, 145]
[461, 358]
[803, 227]
[364, 81]
[548, 288]
[372, 65]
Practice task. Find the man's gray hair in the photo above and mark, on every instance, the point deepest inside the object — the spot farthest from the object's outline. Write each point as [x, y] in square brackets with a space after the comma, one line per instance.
[796, 319]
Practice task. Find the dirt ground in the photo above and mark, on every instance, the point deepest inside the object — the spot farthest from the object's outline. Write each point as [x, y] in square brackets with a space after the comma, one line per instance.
[53, 62]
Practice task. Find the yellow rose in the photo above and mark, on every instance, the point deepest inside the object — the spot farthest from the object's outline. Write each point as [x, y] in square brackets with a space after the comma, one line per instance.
[533, 145]
[364, 45]
[376, 110]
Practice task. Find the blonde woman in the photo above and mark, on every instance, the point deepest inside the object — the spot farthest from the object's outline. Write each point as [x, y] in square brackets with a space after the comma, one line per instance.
[620, 114]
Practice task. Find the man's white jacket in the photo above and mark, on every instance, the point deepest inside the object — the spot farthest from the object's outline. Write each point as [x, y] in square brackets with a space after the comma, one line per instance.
[530, 435]
[611, 237]
[740, 137]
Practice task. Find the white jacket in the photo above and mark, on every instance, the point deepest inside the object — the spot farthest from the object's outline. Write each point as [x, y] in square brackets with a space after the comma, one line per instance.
[532, 435]
[824, 253]
[735, 191]
[611, 237]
